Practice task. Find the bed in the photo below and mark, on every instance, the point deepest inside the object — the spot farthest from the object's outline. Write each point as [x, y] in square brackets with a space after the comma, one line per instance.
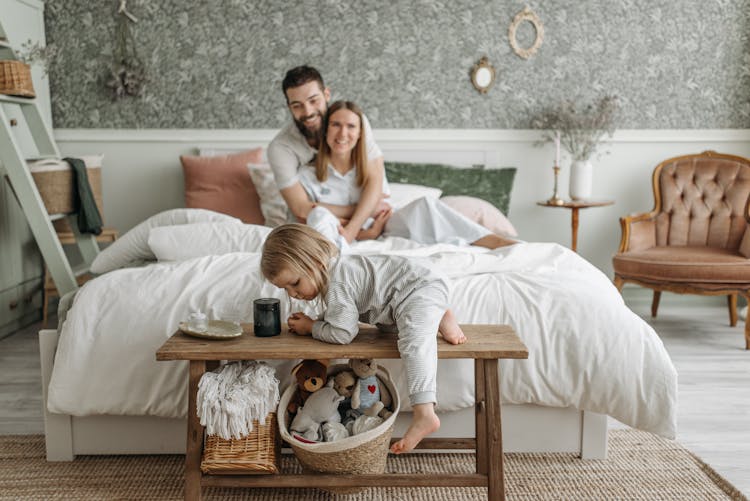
[589, 355]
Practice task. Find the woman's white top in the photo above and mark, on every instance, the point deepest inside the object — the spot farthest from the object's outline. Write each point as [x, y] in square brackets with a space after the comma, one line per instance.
[337, 189]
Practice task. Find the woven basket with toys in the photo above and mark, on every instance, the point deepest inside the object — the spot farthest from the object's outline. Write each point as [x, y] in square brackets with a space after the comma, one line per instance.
[343, 425]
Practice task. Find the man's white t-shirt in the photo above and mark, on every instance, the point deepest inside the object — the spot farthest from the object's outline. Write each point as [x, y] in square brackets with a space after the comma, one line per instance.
[288, 151]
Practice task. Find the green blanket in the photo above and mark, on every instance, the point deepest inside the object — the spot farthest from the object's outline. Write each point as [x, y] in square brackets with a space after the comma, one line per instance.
[89, 219]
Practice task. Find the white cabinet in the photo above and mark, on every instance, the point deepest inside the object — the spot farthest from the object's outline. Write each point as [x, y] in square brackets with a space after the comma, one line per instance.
[21, 265]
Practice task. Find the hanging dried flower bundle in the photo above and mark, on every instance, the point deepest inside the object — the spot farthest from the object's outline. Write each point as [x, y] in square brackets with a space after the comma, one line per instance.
[127, 74]
[34, 53]
[580, 129]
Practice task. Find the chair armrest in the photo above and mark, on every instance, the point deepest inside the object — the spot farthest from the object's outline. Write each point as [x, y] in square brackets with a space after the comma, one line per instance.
[745, 243]
[639, 232]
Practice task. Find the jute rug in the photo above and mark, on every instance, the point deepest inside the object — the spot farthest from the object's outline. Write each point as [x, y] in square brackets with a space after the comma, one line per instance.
[639, 466]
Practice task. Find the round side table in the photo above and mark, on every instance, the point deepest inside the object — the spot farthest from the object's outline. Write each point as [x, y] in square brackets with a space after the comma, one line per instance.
[575, 206]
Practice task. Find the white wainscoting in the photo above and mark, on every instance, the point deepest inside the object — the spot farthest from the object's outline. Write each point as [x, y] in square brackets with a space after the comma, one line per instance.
[142, 173]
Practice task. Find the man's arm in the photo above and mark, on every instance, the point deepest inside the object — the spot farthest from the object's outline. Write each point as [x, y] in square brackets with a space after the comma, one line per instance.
[284, 164]
[372, 194]
[296, 199]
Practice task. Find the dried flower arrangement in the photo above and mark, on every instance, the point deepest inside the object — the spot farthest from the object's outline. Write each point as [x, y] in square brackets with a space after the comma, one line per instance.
[580, 129]
[34, 53]
[127, 74]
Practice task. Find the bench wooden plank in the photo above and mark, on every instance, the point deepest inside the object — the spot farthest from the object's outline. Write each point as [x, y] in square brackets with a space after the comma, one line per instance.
[327, 480]
[483, 342]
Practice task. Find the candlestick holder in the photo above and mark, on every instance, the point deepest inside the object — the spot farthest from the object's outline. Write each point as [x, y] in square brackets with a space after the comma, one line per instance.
[555, 200]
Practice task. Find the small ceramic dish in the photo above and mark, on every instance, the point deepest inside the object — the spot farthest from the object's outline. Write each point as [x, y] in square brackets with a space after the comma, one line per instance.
[217, 329]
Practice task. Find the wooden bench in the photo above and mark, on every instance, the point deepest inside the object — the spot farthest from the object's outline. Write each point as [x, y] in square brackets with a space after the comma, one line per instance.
[485, 344]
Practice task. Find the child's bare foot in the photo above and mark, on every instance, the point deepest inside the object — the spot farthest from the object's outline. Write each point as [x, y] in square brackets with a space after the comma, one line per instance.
[450, 329]
[424, 422]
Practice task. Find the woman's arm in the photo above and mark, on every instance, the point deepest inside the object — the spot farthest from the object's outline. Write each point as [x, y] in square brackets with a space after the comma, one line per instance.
[377, 227]
[372, 194]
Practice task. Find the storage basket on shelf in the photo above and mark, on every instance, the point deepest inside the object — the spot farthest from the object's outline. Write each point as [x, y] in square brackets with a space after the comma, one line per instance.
[15, 79]
[239, 399]
[365, 453]
[54, 180]
[256, 453]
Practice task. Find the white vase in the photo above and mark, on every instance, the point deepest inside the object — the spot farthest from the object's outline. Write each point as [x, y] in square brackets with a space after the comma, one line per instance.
[581, 179]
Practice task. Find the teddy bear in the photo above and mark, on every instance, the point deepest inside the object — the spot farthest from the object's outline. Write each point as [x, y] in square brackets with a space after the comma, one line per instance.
[321, 407]
[367, 396]
[311, 376]
[343, 383]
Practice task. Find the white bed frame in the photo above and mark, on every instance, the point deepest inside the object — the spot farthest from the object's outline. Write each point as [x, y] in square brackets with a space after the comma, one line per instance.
[526, 428]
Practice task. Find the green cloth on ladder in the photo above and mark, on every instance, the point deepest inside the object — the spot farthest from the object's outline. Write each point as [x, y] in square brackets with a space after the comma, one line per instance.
[89, 219]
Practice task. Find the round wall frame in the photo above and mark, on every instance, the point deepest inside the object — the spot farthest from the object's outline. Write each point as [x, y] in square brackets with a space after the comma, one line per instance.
[526, 15]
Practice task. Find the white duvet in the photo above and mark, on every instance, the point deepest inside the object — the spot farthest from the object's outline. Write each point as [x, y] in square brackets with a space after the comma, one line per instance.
[586, 348]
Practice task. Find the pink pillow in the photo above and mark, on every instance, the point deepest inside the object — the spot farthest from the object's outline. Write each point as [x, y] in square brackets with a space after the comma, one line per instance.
[482, 212]
[221, 183]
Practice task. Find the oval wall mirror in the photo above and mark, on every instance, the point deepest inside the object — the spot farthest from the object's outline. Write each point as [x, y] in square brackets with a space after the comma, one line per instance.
[526, 15]
[483, 75]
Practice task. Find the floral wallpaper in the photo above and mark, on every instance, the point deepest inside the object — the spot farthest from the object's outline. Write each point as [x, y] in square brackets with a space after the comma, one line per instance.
[219, 64]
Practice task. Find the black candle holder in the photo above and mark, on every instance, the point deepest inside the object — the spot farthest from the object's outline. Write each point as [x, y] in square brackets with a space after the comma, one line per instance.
[266, 317]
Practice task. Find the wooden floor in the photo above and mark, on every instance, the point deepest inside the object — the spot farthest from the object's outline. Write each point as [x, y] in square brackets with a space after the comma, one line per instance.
[713, 367]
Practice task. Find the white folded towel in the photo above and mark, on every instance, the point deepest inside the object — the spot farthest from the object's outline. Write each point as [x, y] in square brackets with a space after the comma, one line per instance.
[234, 395]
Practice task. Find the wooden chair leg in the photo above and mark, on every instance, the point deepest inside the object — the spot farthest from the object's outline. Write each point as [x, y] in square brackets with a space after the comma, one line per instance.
[732, 303]
[655, 303]
[619, 282]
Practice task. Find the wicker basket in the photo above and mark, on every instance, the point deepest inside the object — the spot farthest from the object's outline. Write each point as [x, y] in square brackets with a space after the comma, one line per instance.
[257, 453]
[54, 180]
[365, 453]
[15, 79]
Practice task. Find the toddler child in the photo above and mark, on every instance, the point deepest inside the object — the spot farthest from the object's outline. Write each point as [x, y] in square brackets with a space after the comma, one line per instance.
[388, 291]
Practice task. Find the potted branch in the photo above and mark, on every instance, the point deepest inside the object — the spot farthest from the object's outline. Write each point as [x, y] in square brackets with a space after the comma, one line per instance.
[580, 131]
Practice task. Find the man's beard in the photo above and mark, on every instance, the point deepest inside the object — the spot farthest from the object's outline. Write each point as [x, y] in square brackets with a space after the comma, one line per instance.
[316, 135]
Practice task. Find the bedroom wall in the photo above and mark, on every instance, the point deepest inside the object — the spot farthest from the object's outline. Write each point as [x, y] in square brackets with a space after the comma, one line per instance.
[681, 72]
[218, 65]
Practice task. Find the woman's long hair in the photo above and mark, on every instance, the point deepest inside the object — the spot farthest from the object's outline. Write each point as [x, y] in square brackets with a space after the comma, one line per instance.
[299, 249]
[359, 152]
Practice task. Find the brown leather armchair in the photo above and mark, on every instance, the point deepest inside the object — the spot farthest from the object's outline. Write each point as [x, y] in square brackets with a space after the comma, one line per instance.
[696, 240]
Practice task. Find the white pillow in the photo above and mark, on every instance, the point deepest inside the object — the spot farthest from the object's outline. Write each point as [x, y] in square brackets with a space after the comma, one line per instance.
[272, 205]
[186, 241]
[402, 194]
[132, 247]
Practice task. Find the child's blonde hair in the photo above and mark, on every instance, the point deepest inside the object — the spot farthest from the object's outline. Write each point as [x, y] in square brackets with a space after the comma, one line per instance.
[299, 249]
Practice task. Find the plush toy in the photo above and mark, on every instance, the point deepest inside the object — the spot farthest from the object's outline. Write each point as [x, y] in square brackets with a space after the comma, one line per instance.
[367, 397]
[343, 383]
[311, 376]
[334, 431]
[321, 407]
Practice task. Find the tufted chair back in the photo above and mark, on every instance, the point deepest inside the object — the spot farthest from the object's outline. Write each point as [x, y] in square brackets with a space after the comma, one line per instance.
[702, 201]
